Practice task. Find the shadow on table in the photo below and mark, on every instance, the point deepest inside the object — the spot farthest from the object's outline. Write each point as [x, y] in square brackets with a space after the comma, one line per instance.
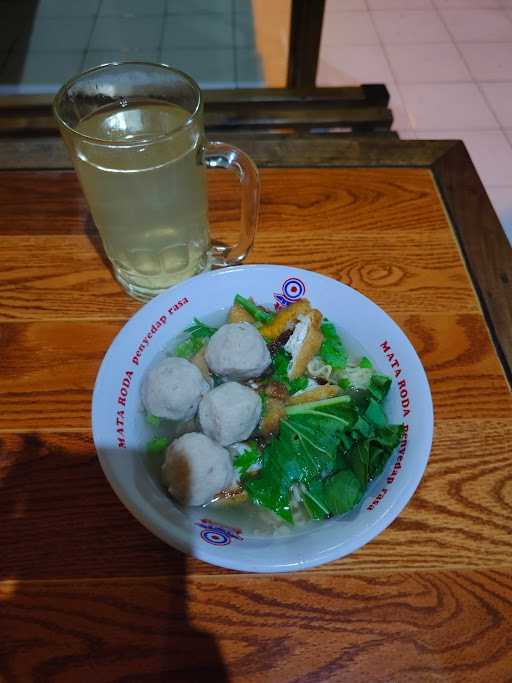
[193, 655]
[82, 584]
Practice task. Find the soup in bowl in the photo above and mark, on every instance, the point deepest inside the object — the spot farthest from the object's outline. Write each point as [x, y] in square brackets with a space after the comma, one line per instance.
[263, 418]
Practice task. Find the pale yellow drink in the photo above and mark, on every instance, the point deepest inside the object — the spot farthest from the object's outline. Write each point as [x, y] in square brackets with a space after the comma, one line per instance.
[135, 133]
[148, 194]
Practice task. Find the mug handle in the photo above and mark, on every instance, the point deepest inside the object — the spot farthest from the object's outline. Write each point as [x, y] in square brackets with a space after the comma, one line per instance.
[221, 155]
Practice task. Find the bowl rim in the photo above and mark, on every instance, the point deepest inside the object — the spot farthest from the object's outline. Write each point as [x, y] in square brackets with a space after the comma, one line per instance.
[175, 537]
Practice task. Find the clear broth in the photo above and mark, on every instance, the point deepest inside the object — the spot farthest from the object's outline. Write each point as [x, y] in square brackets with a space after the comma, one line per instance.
[253, 519]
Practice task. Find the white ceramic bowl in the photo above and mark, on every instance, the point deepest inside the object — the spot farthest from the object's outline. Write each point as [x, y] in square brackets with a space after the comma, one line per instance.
[121, 432]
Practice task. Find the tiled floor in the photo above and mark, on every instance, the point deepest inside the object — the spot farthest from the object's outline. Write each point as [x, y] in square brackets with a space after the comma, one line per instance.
[448, 67]
[213, 40]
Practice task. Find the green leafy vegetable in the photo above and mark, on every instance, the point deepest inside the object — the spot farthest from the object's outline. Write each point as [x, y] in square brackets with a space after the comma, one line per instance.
[345, 445]
[247, 458]
[377, 459]
[375, 414]
[344, 383]
[332, 449]
[379, 386]
[152, 420]
[365, 363]
[332, 350]
[359, 458]
[157, 445]
[364, 428]
[305, 449]
[271, 488]
[315, 506]
[326, 405]
[298, 384]
[339, 492]
[388, 437]
[257, 312]
[280, 363]
[198, 335]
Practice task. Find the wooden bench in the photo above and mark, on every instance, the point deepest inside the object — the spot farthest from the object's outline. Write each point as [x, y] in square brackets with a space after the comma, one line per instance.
[349, 110]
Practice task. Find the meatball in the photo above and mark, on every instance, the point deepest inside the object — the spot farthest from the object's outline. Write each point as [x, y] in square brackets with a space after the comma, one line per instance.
[173, 389]
[229, 413]
[196, 469]
[237, 351]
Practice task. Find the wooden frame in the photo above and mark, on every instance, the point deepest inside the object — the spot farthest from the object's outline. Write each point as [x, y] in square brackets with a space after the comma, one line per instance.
[305, 35]
[358, 109]
[483, 243]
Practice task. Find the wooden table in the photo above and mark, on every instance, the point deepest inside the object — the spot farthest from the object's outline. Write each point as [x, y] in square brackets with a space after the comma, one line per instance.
[87, 594]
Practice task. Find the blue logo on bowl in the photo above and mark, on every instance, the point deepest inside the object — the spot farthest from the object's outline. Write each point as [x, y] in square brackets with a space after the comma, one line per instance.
[292, 290]
[215, 534]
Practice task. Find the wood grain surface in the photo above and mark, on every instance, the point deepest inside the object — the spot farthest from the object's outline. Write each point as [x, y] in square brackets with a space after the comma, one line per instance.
[431, 626]
[86, 593]
[339, 228]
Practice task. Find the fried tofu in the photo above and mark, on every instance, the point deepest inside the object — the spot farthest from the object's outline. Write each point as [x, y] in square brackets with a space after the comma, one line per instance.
[277, 390]
[304, 343]
[274, 411]
[283, 318]
[232, 496]
[316, 394]
[199, 361]
[238, 314]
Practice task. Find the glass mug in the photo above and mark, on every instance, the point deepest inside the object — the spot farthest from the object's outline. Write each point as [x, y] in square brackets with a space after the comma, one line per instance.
[136, 137]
